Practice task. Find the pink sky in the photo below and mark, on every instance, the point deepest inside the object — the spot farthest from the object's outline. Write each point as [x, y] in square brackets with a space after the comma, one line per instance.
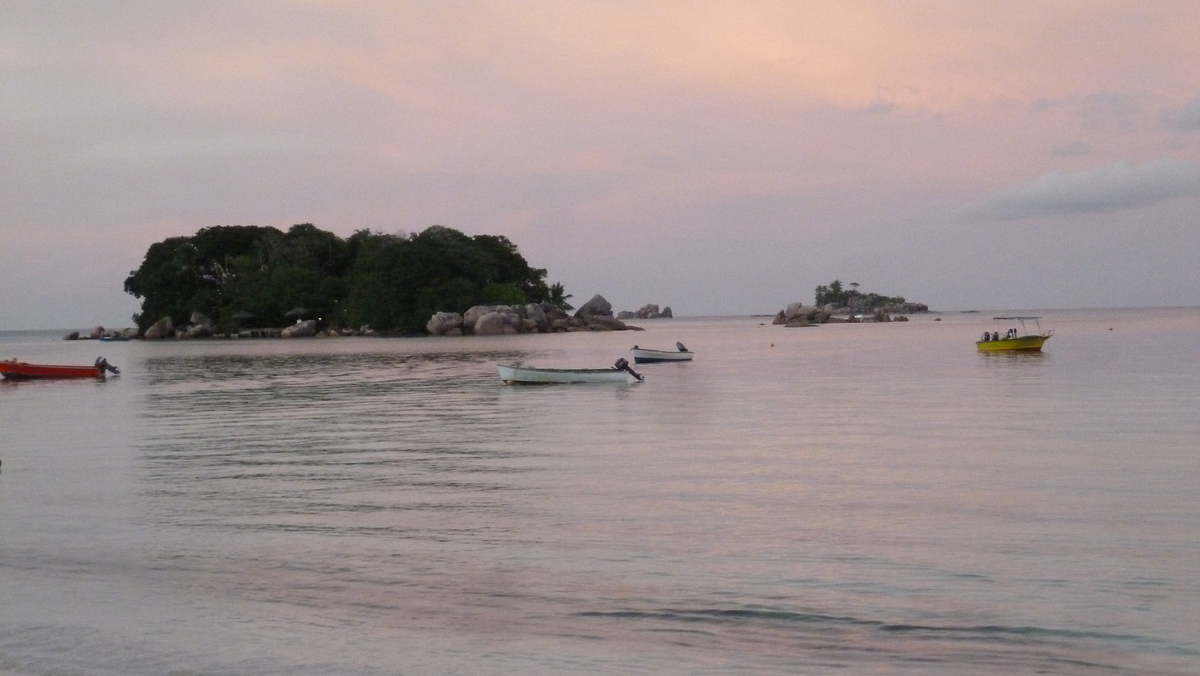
[719, 157]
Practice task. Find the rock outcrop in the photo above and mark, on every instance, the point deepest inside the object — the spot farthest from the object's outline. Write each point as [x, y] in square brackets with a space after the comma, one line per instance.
[799, 315]
[536, 314]
[201, 319]
[602, 323]
[507, 319]
[301, 329]
[490, 324]
[597, 315]
[648, 311]
[494, 320]
[445, 323]
[651, 311]
[203, 327]
[471, 316]
[597, 306]
[163, 328]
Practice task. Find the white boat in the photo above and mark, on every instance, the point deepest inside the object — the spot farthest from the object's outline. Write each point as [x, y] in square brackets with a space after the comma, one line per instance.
[643, 356]
[529, 375]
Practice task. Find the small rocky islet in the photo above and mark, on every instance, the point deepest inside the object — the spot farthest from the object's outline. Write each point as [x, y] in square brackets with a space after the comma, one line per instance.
[801, 315]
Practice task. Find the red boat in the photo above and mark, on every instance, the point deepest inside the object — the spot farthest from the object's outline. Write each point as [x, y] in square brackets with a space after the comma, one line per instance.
[19, 370]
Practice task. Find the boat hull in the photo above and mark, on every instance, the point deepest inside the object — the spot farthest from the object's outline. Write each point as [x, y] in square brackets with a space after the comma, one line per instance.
[643, 356]
[15, 370]
[1018, 344]
[526, 375]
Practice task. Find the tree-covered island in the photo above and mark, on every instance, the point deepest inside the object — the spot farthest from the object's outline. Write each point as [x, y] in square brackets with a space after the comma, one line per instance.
[834, 303]
[834, 294]
[245, 276]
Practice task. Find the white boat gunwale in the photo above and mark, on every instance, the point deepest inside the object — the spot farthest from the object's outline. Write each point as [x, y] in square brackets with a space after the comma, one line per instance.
[642, 355]
[512, 374]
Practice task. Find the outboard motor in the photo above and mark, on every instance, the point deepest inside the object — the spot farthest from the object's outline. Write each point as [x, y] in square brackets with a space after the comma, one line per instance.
[681, 346]
[103, 365]
[623, 365]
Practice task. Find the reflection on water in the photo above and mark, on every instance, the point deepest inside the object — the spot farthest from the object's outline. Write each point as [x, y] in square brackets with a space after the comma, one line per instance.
[855, 497]
[323, 442]
[1017, 357]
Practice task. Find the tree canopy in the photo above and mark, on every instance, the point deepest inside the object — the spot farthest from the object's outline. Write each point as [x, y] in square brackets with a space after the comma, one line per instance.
[834, 294]
[253, 276]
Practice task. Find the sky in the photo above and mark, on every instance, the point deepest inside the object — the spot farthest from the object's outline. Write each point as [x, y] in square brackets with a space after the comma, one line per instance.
[718, 157]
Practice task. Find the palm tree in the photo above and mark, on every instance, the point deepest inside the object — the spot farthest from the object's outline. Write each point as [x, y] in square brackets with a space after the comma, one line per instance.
[558, 297]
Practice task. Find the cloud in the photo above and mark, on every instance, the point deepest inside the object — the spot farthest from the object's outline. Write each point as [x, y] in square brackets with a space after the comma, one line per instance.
[1187, 119]
[613, 124]
[1112, 188]
[1106, 111]
[878, 108]
[1076, 149]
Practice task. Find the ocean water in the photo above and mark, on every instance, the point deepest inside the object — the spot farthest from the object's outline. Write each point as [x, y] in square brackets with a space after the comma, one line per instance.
[849, 499]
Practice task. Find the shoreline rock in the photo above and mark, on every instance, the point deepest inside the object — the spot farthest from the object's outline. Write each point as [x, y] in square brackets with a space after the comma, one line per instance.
[202, 326]
[597, 315]
[301, 329]
[445, 323]
[496, 320]
[160, 329]
[648, 311]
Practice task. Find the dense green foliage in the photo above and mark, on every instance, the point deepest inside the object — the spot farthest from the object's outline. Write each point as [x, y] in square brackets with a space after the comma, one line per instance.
[251, 276]
[837, 296]
[558, 297]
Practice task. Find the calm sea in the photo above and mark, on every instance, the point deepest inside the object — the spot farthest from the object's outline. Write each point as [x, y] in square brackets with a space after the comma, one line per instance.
[849, 499]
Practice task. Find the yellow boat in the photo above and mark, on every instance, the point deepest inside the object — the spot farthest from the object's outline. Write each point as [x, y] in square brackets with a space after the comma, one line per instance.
[1015, 340]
